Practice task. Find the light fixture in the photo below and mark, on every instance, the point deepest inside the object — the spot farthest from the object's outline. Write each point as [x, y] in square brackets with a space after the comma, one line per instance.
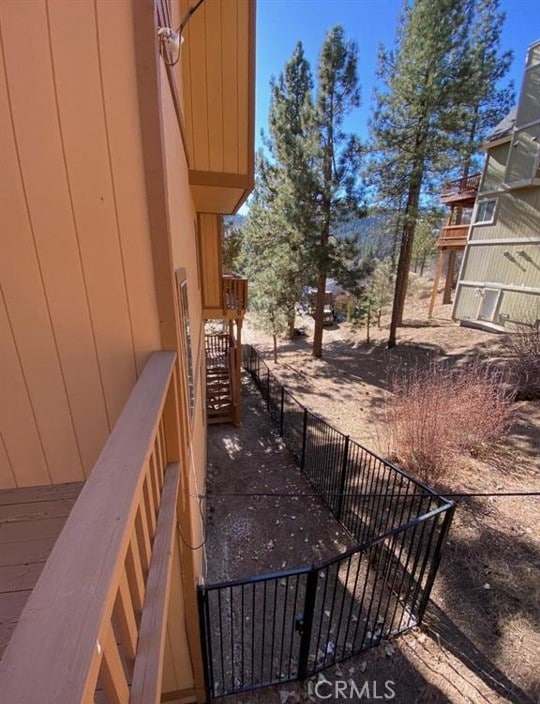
[171, 39]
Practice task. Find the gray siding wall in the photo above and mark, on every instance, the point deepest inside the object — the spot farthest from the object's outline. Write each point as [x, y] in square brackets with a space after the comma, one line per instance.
[517, 215]
[493, 177]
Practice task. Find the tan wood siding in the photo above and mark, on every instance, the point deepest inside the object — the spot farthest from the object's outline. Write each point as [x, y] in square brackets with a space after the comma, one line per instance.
[211, 270]
[182, 218]
[229, 16]
[218, 66]
[7, 476]
[76, 270]
[20, 433]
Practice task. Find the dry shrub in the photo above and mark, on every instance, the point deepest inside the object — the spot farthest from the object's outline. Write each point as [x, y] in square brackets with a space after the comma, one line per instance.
[436, 416]
[524, 349]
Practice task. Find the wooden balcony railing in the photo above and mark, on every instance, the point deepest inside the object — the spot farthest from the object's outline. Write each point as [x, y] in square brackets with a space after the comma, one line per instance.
[461, 188]
[217, 347]
[94, 626]
[453, 235]
[235, 293]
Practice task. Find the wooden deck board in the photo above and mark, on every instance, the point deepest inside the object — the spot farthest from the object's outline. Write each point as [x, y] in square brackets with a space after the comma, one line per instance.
[31, 519]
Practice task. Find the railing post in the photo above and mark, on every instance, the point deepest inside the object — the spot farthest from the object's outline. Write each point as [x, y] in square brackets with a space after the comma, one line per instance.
[343, 477]
[268, 388]
[434, 567]
[307, 622]
[281, 411]
[304, 435]
[202, 603]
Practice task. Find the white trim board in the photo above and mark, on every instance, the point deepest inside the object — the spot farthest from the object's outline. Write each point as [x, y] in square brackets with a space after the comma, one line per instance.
[502, 287]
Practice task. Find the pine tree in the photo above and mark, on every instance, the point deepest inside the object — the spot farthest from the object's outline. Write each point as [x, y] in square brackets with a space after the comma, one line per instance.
[269, 255]
[415, 119]
[427, 232]
[311, 172]
[439, 92]
[231, 245]
[337, 156]
[484, 100]
[380, 289]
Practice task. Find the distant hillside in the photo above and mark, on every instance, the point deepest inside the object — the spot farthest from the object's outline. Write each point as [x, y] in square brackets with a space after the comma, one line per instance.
[373, 234]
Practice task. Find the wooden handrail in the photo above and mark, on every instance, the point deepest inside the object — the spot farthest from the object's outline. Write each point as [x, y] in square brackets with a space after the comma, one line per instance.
[97, 572]
[457, 232]
[217, 345]
[458, 186]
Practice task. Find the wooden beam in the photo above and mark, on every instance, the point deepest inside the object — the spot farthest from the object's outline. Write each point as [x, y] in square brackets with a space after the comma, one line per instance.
[436, 283]
[447, 297]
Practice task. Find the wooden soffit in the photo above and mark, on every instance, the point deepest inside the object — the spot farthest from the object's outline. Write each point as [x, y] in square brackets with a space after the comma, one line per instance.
[218, 97]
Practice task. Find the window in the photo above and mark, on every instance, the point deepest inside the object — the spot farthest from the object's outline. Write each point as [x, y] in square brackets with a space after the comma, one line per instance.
[485, 212]
[186, 332]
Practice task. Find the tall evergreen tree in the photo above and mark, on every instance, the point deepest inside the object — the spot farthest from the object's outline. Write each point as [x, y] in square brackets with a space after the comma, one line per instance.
[337, 156]
[269, 258]
[311, 173]
[439, 91]
[485, 101]
[415, 120]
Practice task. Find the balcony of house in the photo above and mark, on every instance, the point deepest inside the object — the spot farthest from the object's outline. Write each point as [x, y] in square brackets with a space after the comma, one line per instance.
[232, 303]
[217, 79]
[235, 295]
[453, 236]
[462, 191]
[106, 613]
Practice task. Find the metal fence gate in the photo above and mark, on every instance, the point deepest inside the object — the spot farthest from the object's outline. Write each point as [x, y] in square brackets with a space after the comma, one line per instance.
[289, 625]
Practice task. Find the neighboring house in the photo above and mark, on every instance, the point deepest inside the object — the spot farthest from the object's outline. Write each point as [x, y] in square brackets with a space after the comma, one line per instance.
[459, 195]
[121, 150]
[499, 282]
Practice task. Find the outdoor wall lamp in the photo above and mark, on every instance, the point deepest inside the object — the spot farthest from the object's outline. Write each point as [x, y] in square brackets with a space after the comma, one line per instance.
[171, 39]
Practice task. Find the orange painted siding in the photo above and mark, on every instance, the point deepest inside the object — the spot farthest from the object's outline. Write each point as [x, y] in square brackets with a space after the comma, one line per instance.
[182, 219]
[78, 299]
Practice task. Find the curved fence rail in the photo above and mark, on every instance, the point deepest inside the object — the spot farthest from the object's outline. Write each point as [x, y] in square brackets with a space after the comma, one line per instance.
[292, 624]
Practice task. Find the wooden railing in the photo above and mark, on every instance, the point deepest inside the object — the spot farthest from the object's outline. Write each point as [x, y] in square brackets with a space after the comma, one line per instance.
[235, 293]
[461, 187]
[217, 346]
[453, 235]
[94, 626]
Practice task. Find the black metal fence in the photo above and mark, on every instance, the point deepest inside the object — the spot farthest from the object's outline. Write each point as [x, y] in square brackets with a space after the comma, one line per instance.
[289, 625]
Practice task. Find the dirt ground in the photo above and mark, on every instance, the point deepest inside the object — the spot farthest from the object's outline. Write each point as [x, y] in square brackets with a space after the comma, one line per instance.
[481, 638]
[265, 533]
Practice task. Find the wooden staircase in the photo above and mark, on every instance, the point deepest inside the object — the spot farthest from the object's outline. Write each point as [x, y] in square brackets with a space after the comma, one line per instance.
[219, 406]
[220, 370]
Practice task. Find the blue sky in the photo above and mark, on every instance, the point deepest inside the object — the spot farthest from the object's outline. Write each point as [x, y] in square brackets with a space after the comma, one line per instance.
[281, 23]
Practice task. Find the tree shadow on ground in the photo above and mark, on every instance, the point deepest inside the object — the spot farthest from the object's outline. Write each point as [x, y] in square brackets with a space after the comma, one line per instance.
[488, 578]
[444, 631]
